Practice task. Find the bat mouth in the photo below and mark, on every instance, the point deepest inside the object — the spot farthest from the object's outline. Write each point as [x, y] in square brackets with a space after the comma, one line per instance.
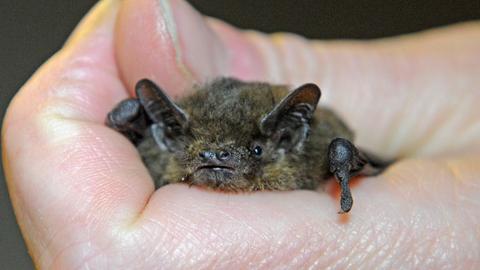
[216, 176]
[216, 168]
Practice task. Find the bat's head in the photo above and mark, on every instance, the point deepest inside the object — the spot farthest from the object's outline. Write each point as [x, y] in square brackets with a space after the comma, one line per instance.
[230, 135]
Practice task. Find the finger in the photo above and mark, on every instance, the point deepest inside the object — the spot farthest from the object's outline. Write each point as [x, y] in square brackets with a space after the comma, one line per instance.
[69, 176]
[417, 212]
[176, 48]
[408, 96]
[403, 97]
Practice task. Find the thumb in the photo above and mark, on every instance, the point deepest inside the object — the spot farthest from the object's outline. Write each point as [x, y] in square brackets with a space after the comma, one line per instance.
[155, 39]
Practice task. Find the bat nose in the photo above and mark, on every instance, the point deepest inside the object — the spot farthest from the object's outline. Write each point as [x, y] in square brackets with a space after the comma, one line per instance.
[211, 155]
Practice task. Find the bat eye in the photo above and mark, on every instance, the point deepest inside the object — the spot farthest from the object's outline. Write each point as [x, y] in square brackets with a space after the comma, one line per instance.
[257, 150]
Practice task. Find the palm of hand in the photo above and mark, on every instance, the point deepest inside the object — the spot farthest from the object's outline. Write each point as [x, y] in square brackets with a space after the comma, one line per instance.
[84, 199]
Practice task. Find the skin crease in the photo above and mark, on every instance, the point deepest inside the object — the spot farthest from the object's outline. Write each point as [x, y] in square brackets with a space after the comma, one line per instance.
[84, 200]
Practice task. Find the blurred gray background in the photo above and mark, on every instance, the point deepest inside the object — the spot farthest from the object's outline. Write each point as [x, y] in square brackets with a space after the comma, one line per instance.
[31, 31]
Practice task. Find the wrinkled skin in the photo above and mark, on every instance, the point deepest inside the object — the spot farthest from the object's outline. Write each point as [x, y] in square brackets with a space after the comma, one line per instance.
[84, 200]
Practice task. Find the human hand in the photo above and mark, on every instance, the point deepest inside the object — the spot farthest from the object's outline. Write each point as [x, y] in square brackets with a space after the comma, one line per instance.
[83, 198]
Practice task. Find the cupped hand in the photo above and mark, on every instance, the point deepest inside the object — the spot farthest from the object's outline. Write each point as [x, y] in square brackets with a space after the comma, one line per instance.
[83, 198]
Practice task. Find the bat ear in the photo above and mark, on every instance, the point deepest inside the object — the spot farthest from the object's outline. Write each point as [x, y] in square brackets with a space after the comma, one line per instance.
[169, 121]
[289, 121]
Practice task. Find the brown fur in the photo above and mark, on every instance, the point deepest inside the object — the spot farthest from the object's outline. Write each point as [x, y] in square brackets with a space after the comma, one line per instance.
[225, 115]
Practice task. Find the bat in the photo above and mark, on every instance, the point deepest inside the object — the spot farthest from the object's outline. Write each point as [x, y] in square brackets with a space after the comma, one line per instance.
[235, 136]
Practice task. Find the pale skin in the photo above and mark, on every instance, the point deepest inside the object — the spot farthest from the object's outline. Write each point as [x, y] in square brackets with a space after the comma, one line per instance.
[84, 200]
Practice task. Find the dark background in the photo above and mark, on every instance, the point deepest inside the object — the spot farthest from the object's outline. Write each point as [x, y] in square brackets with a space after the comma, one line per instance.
[31, 31]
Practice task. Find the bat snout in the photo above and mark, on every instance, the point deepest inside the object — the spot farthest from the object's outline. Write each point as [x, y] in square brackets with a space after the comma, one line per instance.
[209, 155]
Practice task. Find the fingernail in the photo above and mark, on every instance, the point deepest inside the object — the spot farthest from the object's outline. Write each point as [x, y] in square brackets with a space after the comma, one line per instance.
[198, 50]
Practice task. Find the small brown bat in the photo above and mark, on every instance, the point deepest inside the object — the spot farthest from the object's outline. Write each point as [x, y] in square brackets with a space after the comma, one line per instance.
[241, 136]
